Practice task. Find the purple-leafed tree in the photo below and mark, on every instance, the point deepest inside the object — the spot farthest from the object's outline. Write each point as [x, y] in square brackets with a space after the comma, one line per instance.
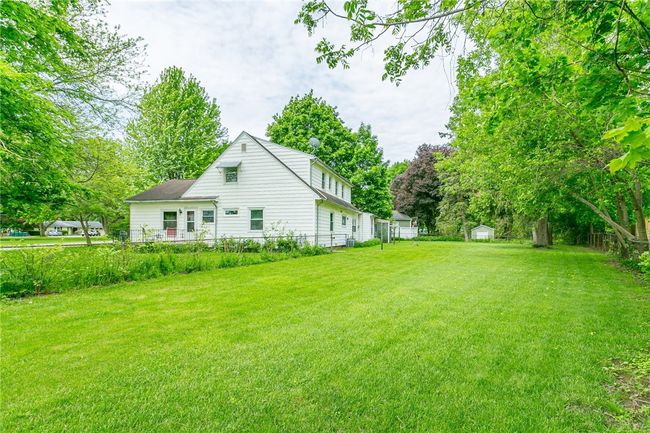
[417, 191]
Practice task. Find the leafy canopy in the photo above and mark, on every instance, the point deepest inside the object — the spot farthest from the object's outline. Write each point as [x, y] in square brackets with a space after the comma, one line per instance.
[177, 132]
[355, 155]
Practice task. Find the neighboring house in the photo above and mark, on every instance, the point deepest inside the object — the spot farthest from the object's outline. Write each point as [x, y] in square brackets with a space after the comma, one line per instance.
[482, 232]
[254, 189]
[402, 226]
[73, 227]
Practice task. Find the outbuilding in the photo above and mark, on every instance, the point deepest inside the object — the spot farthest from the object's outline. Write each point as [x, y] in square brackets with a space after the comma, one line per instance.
[482, 232]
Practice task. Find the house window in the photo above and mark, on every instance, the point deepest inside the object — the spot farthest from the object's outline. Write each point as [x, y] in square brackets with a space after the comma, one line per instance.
[322, 180]
[354, 225]
[342, 191]
[330, 183]
[190, 220]
[231, 174]
[231, 212]
[257, 219]
[169, 220]
[344, 220]
[243, 147]
[331, 222]
[336, 190]
[208, 216]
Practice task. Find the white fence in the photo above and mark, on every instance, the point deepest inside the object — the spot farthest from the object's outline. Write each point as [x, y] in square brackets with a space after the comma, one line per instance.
[405, 232]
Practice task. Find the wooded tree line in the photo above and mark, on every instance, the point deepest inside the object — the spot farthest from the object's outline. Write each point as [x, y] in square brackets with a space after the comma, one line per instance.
[550, 127]
[67, 80]
[549, 130]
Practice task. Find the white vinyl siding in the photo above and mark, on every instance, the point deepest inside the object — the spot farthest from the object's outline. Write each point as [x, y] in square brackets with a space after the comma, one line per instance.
[263, 182]
[149, 216]
[340, 232]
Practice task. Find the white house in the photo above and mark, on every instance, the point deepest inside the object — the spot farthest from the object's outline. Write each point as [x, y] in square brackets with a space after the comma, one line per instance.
[254, 189]
[482, 232]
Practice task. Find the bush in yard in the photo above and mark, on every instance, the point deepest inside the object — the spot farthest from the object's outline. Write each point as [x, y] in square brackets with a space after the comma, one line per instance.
[368, 243]
[644, 263]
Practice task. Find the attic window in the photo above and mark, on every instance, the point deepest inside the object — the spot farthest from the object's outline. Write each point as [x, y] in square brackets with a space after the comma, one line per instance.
[243, 147]
[231, 174]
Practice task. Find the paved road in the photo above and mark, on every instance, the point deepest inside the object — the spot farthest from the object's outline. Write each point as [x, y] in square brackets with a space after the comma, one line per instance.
[57, 244]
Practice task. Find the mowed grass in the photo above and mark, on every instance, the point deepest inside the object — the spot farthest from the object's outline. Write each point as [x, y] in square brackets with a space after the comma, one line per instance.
[427, 337]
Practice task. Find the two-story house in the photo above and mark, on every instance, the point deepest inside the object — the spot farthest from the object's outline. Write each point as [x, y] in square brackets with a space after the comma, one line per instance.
[254, 189]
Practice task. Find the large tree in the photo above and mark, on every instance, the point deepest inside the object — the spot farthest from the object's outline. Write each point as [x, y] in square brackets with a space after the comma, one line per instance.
[177, 132]
[60, 66]
[104, 176]
[417, 190]
[355, 155]
[537, 94]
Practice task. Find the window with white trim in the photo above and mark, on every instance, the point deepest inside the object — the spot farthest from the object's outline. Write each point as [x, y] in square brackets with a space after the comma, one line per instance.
[336, 190]
[331, 222]
[231, 212]
[330, 183]
[231, 174]
[170, 219]
[257, 219]
[322, 180]
[243, 147]
[344, 220]
[207, 216]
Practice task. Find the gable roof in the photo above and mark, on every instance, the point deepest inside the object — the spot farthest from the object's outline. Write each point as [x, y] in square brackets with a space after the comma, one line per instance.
[482, 226]
[170, 190]
[398, 216]
[73, 224]
[309, 155]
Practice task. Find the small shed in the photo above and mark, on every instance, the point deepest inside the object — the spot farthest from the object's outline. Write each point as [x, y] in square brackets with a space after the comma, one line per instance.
[482, 232]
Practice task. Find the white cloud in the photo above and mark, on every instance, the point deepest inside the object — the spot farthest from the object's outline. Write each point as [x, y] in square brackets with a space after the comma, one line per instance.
[252, 59]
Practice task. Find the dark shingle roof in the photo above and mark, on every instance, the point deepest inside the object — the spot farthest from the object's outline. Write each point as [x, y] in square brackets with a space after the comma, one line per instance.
[170, 190]
[336, 200]
[398, 216]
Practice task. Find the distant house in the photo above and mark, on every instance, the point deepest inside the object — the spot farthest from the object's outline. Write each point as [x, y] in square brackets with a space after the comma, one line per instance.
[72, 227]
[402, 226]
[255, 188]
[482, 232]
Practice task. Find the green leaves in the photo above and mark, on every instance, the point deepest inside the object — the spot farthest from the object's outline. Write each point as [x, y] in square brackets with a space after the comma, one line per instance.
[355, 155]
[178, 130]
[634, 135]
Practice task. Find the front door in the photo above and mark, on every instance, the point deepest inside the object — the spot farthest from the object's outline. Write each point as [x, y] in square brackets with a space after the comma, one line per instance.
[190, 223]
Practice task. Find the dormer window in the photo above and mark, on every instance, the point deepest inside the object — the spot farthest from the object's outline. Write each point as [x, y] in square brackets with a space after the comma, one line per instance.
[231, 174]
[230, 170]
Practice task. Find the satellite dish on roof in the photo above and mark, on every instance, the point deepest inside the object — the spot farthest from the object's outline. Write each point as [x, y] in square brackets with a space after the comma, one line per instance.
[314, 142]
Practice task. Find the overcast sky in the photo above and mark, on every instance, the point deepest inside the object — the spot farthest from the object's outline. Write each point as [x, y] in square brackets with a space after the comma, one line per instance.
[252, 59]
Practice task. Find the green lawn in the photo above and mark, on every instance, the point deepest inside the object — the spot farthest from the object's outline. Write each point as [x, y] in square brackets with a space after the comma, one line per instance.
[433, 337]
[6, 241]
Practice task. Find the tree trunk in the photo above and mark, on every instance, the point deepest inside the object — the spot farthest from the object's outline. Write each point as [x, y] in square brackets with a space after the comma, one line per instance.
[541, 233]
[621, 211]
[605, 216]
[465, 232]
[637, 204]
[84, 227]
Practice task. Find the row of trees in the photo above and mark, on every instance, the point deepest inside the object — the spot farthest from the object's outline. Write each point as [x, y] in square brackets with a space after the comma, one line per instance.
[67, 80]
[551, 121]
